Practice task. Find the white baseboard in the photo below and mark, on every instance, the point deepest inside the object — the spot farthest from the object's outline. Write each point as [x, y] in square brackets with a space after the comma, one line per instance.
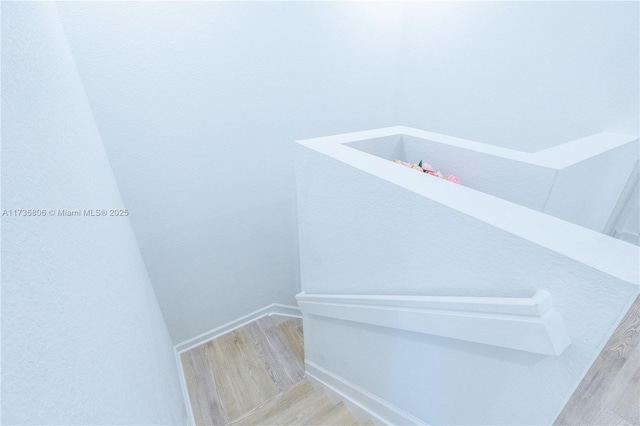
[190, 420]
[377, 409]
[285, 311]
[273, 309]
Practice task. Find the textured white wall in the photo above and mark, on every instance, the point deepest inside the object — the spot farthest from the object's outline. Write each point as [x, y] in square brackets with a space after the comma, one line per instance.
[628, 227]
[83, 338]
[524, 75]
[198, 105]
[363, 233]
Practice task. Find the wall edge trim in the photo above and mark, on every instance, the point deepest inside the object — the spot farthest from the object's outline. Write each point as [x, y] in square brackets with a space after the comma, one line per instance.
[380, 411]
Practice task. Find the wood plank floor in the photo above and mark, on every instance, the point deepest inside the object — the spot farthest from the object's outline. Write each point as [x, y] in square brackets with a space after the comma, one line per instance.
[255, 376]
[609, 394]
[302, 404]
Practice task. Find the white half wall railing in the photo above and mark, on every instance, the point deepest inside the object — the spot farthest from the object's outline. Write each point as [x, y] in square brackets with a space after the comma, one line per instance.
[531, 324]
[518, 223]
[579, 181]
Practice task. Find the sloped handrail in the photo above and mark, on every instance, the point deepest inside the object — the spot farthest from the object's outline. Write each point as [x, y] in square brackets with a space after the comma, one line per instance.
[531, 324]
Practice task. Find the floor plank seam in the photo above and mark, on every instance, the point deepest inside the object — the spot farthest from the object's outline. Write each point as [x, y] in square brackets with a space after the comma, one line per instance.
[255, 375]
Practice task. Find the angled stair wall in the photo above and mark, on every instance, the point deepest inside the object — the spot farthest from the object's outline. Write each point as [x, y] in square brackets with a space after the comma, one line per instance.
[370, 227]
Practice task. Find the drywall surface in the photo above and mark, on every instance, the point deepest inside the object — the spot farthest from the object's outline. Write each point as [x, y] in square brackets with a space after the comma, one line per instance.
[628, 226]
[198, 104]
[410, 234]
[559, 181]
[83, 339]
[586, 198]
[524, 75]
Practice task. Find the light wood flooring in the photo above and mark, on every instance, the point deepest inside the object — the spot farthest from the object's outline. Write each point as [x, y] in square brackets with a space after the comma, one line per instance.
[609, 394]
[255, 376]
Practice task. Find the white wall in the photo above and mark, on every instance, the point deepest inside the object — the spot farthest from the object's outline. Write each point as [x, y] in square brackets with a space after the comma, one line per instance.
[198, 105]
[83, 339]
[370, 227]
[524, 75]
[628, 227]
